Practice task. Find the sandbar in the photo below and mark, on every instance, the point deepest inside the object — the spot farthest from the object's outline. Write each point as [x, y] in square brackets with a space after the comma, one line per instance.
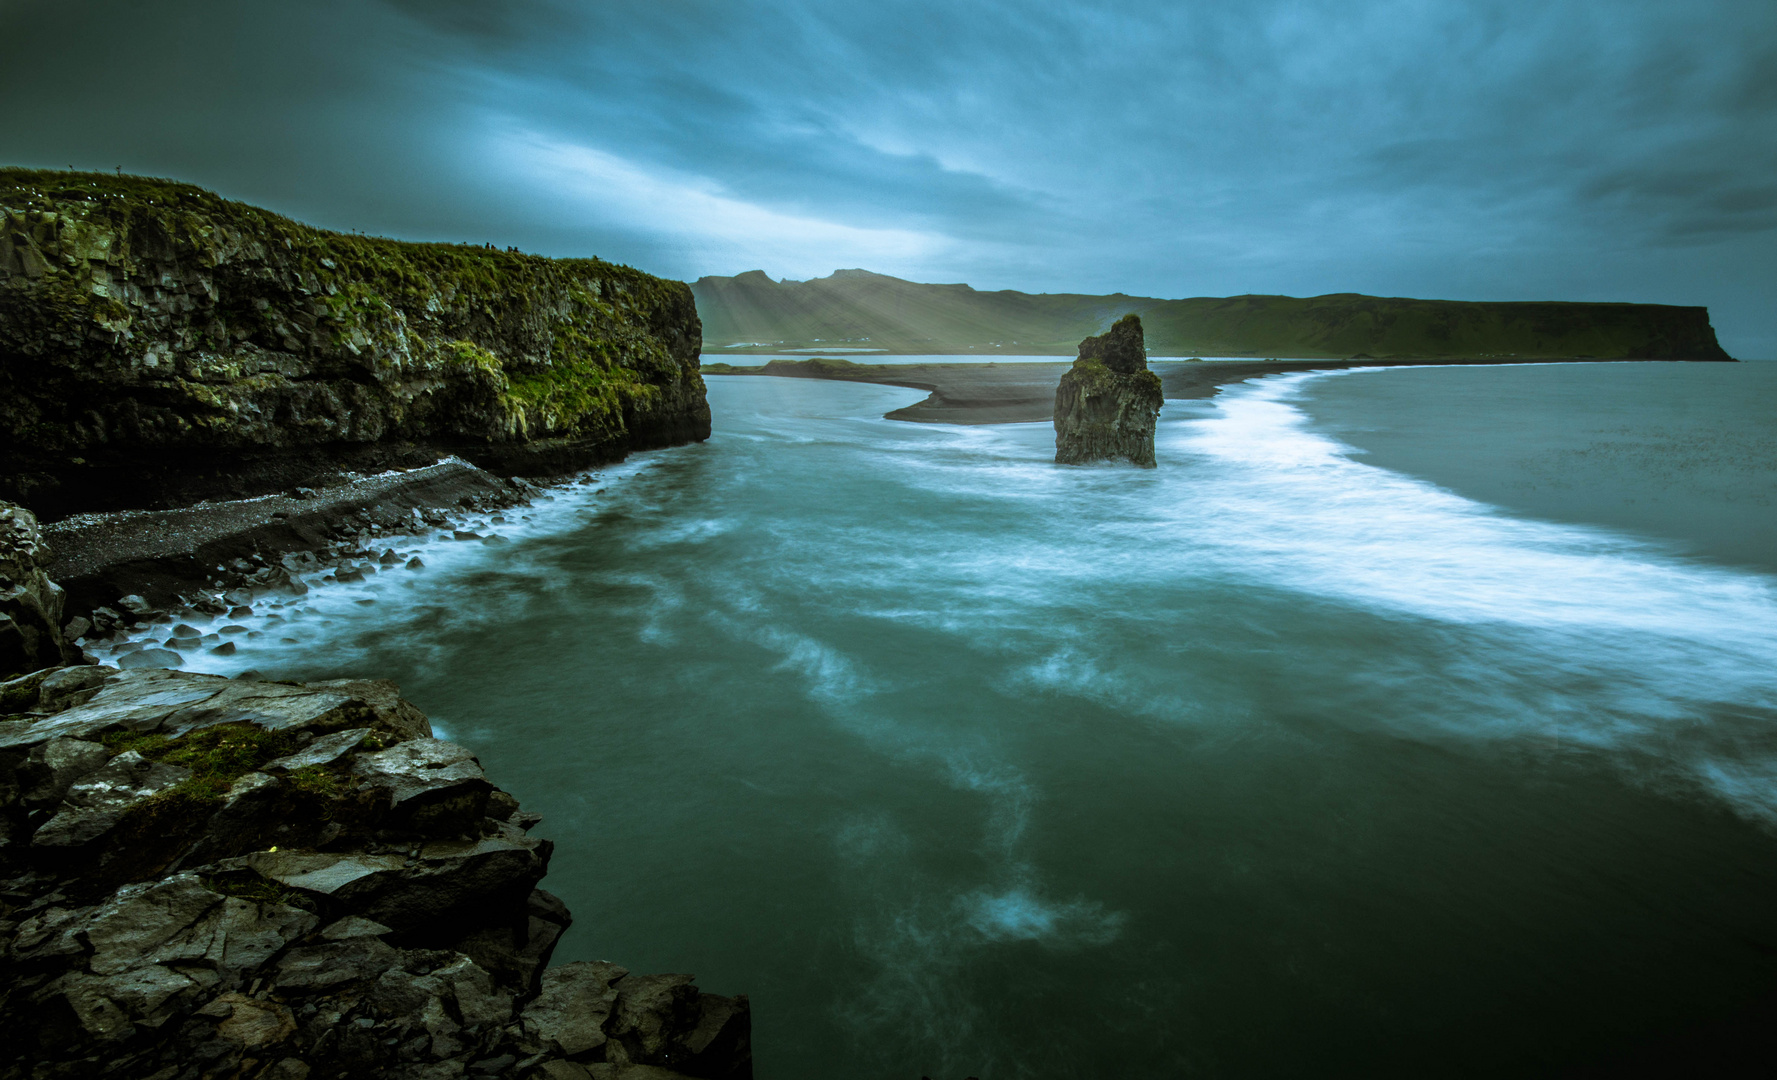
[1022, 393]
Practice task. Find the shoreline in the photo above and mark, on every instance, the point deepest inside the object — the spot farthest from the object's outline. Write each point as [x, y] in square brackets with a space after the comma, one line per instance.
[127, 571]
[974, 393]
[131, 575]
[278, 861]
[161, 554]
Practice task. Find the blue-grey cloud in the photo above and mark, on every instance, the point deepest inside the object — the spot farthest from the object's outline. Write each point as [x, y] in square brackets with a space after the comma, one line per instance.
[1572, 149]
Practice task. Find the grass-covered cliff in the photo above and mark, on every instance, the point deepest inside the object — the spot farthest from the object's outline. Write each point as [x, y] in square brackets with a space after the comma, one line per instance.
[855, 308]
[159, 343]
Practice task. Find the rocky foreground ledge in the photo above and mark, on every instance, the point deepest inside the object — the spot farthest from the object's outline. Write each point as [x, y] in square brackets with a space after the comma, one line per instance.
[205, 877]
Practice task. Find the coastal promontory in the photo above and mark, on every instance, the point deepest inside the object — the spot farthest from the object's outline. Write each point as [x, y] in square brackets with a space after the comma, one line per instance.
[206, 877]
[160, 344]
[1107, 403]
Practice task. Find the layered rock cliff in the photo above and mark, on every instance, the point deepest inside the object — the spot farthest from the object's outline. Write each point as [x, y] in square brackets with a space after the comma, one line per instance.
[203, 877]
[1108, 402]
[159, 344]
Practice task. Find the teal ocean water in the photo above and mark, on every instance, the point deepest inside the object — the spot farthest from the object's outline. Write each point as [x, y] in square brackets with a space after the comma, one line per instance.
[1683, 453]
[1413, 722]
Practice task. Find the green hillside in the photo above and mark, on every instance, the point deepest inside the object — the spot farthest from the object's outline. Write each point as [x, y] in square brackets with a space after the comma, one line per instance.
[858, 309]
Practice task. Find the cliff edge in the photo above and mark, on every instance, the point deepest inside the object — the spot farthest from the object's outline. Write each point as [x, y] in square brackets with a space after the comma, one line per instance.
[1108, 402]
[160, 344]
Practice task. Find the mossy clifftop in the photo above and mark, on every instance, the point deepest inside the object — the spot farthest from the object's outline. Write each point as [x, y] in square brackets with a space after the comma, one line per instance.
[159, 342]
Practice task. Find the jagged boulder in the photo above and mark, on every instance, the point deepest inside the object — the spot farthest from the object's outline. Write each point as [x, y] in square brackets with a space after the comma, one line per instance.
[30, 604]
[1108, 402]
[569, 1016]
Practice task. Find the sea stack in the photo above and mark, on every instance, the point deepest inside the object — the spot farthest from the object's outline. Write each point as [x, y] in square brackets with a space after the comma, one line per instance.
[1107, 403]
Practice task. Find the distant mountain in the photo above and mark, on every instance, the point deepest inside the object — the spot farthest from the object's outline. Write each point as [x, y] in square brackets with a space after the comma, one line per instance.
[857, 309]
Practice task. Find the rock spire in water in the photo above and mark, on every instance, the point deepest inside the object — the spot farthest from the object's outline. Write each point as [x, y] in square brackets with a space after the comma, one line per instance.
[1107, 403]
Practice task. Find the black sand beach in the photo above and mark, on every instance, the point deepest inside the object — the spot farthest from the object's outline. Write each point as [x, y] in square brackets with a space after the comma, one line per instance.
[1022, 393]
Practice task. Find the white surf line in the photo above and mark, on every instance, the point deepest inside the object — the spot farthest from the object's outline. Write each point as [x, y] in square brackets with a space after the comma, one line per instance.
[346, 593]
[1294, 503]
[1676, 656]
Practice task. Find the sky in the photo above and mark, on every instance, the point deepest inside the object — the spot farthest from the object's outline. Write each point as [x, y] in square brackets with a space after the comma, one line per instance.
[1461, 149]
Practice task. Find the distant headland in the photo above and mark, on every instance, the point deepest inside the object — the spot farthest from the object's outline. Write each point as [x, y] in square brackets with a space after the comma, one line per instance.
[860, 310]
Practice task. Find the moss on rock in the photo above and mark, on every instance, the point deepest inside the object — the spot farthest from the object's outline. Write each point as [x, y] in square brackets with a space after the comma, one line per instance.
[217, 757]
[151, 330]
[1106, 404]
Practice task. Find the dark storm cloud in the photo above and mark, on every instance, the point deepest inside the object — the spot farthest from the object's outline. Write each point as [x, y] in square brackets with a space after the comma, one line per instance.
[1597, 150]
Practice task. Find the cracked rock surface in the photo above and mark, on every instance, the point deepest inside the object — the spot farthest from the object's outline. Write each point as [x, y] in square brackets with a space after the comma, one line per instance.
[205, 878]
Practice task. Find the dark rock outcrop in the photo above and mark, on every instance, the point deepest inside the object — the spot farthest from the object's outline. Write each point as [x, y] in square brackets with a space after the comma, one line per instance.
[1107, 403]
[204, 878]
[159, 345]
[30, 603]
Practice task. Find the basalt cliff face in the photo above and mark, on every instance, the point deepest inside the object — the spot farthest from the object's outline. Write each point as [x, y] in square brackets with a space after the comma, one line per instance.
[1108, 402]
[159, 344]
